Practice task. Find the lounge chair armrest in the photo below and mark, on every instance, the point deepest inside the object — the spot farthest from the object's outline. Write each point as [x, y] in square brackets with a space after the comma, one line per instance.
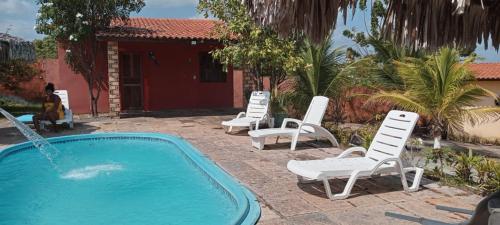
[240, 115]
[396, 160]
[349, 151]
[322, 132]
[265, 116]
[288, 120]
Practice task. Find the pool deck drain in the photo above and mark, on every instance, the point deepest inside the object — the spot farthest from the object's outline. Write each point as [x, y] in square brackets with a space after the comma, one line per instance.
[282, 199]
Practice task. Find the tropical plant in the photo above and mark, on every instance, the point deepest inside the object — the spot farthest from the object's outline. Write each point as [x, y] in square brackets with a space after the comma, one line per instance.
[248, 46]
[439, 157]
[489, 176]
[441, 89]
[320, 76]
[343, 134]
[75, 24]
[463, 164]
[382, 51]
[485, 169]
[367, 134]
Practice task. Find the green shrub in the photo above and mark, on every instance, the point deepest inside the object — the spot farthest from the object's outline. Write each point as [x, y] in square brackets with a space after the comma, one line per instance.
[343, 135]
[440, 157]
[367, 133]
[463, 164]
[488, 173]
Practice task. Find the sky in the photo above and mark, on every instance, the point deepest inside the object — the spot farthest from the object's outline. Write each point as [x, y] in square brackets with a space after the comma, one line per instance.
[17, 17]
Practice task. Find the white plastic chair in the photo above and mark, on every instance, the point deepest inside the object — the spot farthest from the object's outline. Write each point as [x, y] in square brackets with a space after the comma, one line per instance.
[68, 114]
[256, 112]
[383, 156]
[310, 126]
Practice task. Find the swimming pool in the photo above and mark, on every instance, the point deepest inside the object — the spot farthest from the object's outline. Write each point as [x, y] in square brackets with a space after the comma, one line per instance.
[120, 178]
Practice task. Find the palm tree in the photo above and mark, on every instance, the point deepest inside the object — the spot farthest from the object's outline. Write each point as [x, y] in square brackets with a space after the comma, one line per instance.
[319, 77]
[440, 88]
[384, 73]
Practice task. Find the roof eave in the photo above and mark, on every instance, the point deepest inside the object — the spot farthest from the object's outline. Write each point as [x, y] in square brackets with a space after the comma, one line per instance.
[121, 38]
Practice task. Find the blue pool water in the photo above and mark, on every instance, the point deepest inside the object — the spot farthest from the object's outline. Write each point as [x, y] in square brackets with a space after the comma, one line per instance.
[126, 179]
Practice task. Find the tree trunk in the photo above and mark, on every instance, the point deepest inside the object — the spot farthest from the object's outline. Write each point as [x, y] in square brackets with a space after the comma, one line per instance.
[95, 112]
[437, 132]
[259, 81]
[437, 142]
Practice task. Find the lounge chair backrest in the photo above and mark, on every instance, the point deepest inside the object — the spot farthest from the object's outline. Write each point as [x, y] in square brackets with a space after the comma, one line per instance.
[315, 112]
[63, 94]
[258, 104]
[391, 137]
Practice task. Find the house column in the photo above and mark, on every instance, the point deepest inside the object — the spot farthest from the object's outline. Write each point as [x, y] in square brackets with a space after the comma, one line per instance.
[114, 79]
[238, 95]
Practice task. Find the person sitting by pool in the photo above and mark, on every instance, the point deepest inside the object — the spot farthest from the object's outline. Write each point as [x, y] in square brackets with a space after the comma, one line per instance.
[52, 108]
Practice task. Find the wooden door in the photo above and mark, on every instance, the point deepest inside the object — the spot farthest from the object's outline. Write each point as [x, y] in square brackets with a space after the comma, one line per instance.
[131, 81]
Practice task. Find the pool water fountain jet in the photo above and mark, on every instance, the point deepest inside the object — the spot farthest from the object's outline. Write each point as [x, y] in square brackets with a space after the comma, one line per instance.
[43, 146]
[50, 152]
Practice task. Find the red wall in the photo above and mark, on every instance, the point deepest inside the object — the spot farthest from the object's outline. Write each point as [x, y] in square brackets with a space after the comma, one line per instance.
[174, 83]
[78, 91]
[58, 72]
[169, 85]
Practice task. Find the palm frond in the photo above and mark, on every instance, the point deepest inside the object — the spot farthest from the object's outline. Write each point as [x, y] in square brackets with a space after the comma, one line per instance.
[441, 87]
[320, 75]
[482, 114]
[400, 100]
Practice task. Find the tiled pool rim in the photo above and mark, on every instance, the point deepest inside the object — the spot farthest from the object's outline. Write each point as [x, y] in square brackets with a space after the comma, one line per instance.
[248, 208]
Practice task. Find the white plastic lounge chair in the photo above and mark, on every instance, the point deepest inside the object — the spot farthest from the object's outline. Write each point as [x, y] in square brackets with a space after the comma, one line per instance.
[68, 114]
[383, 156]
[256, 112]
[310, 126]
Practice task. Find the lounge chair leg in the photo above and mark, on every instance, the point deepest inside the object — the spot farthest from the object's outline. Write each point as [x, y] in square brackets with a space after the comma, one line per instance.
[295, 138]
[402, 171]
[416, 179]
[277, 139]
[325, 133]
[347, 189]
[258, 142]
[328, 191]
[71, 125]
[230, 129]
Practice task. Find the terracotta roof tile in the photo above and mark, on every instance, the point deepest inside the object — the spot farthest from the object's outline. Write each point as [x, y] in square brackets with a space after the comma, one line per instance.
[162, 28]
[486, 71]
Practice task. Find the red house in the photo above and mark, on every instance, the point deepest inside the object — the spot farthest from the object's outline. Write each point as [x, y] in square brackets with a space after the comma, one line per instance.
[156, 64]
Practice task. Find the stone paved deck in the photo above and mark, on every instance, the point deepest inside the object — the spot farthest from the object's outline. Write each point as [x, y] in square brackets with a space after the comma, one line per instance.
[283, 201]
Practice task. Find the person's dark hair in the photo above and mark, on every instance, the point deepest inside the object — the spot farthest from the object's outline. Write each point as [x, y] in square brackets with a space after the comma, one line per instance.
[50, 86]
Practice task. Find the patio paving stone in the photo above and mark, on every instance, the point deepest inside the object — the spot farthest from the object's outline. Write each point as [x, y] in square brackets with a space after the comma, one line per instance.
[264, 172]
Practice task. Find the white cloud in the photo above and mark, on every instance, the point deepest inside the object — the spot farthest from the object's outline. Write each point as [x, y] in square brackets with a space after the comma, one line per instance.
[15, 6]
[171, 3]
